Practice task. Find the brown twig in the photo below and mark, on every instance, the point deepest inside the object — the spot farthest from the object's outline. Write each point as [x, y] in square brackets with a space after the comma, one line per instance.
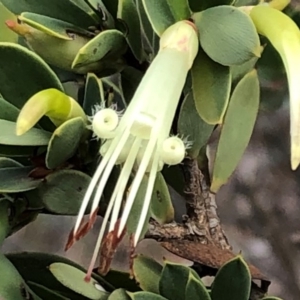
[200, 236]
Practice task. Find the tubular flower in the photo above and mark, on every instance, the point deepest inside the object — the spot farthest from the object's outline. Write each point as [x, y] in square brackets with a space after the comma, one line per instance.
[284, 35]
[140, 138]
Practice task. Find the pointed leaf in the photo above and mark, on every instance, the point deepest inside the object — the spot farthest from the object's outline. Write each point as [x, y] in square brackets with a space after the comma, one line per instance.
[161, 208]
[147, 273]
[159, 15]
[233, 281]
[62, 192]
[51, 26]
[33, 137]
[127, 11]
[211, 87]
[16, 179]
[93, 94]
[145, 296]
[18, 82]
[192, 126]
[224, 41]
[237, 129]
[73, 278]
[195, 289]
[64, 142]
[108, 44]
[173, 281]
[55, 8]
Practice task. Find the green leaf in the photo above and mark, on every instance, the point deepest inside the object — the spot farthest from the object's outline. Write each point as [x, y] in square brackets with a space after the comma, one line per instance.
[130, 79]
[173, 281]
[93, 94]
[195, 289]
[73, 278]
[4, 219]
[147, 273]
[239, 71]
[119, 294]
[65, 10]
[122, 280]
[237, 129]
[271, 298]
[146, 296]
[16, 179]
[161, 208]
[16, 151]
[112, 6]
[146, 26]
[192, 126]
[8, 111]
[116, 93]
[211, 88]
[64, 142]
[105, 16]
[56, 51]
[233, 281]
[18, 82]
[6, 35]
[159, 15]
[62, 192]
[224, 41]
[180, 9]
[33, 137]
[12, 286]
[108, 44]
[197, 5]
[34, 267]
[45, 293]
[33, 200]
[51, 26]
[9, 163]
[127, 12]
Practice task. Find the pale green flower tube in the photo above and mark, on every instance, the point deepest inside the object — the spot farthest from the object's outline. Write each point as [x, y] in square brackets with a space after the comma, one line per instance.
[140, 139]
[284, 35]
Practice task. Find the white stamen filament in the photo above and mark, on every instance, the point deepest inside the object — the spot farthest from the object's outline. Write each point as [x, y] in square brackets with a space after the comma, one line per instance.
[123, 180]
[141, 136]
[147, 199]
[136, 182]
